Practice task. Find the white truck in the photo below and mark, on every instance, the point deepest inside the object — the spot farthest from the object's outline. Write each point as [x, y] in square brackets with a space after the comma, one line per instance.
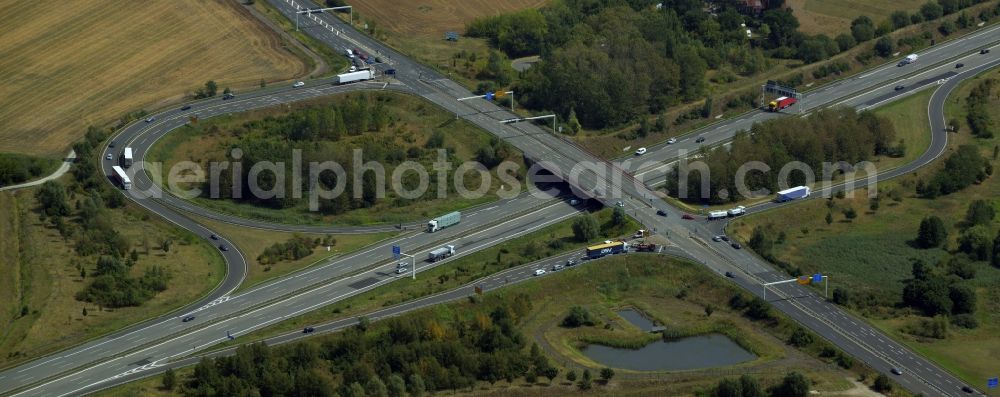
[443, 221]
[717, 215]
[127, 158]
[737, 211]
[352, 77]
[909, 59]
[441, 253]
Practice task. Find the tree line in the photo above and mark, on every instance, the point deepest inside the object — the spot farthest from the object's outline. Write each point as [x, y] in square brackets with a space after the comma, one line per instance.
[613, 61]
[830, 135]
[16, 168]
[405, 355]
[294, 248]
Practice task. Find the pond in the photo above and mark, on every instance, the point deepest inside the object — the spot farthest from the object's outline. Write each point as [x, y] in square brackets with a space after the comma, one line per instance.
[637, 319]
[696, 352]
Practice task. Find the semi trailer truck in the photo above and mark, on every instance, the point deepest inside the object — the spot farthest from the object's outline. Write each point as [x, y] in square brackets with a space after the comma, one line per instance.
[737, 211]
[441, 253]
[609, 248]
[444, 221]
[797, 192]
[781, 103]
[352, 77]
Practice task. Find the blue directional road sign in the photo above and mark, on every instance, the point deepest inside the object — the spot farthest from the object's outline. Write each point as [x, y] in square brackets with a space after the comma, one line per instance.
[817, 278]
[992, 383]
[395, 252]
[489, 96]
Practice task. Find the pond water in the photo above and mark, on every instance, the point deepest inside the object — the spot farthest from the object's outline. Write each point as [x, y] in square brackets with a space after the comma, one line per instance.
[637, 319]
[696, 352]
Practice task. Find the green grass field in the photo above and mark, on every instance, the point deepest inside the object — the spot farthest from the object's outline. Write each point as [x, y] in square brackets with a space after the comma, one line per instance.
[37, 273]
[252, 243]
[873, 252]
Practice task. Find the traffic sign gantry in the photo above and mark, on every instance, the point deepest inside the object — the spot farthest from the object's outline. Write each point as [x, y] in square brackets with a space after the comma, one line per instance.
[992, 383]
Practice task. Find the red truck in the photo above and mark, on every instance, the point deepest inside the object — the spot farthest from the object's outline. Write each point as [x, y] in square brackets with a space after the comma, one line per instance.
[781, 103]
[644, 247]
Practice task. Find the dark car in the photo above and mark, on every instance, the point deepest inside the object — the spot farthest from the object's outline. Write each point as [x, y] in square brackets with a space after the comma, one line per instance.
[687, 216]
[700, 139]
[186, 107]
[214, 237]
[661, 212]
[228, 96]
[896, 371]
[308, 330]
[967, 389]
[984, 51]
[724, 237]
[188, 318]
[736, 245]
[223, 247]
[111, 144]
[390, 71]
[899, 88]
[958, 65]
[730, 274]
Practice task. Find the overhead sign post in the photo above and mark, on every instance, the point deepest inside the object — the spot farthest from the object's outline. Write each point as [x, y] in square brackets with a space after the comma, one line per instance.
[992, 383]
[396, 252]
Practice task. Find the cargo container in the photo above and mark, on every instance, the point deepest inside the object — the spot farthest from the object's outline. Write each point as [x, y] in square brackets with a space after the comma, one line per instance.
[597, 251]
[120, 177]
[792, 194]
[352, 77]
[444, 221]
[781, 103]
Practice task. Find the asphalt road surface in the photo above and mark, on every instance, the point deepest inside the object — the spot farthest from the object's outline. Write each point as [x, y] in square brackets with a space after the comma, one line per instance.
[114, 358]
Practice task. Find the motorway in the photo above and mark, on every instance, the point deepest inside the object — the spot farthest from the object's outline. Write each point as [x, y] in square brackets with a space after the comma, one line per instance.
[83, 368]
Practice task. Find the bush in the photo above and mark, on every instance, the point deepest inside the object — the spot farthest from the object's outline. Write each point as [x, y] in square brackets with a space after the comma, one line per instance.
[966, 320]
[882, 384]
[578, 316]
[759, 309]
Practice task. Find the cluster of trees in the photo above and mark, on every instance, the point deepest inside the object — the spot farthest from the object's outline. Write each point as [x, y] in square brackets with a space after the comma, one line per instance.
[961, 169]
[936, 294]
[793, 384]
[830, 135]
[113, 287]
[754, 308]
[295, 248]
[977, 107]
[16, 168]
[409, 355]
[332, 133]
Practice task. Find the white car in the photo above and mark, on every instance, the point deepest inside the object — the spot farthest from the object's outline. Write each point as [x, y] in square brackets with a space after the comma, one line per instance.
[108, 157]
[298, 84]
[401, 270]
[539, 272]
[150, 119]
[354, 68]
[671, 141]
[350, 54]
[640, 151]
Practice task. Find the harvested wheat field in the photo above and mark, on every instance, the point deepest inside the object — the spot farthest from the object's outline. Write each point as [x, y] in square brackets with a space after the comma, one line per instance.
[434, 17]
[67, 65]
[833, 17]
